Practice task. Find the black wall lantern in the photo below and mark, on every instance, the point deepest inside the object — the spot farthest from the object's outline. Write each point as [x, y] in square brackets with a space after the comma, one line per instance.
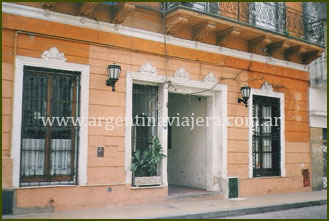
[114, 73]
[245, 93]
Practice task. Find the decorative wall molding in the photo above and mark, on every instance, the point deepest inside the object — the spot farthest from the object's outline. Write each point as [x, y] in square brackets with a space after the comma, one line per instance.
[174, 23]
[121, 11]
[148, 68]
[258, 42]
[182, 73]
[210, 78]
[229, 32]
[87, 9]
[266, 86]
[53, 54]
[201, 31]
[181, 77]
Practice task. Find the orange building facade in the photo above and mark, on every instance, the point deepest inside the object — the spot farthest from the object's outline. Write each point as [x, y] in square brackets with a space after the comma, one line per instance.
[182, 51]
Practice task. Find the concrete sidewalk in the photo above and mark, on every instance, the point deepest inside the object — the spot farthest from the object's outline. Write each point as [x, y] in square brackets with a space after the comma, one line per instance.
[194, 208]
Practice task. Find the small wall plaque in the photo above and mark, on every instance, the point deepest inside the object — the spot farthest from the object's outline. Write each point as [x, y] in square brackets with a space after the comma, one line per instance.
[100, 151]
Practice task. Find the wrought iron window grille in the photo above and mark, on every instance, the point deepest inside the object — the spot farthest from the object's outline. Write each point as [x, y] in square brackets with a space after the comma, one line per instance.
[49, 154]
[266, 148]
[145, 106]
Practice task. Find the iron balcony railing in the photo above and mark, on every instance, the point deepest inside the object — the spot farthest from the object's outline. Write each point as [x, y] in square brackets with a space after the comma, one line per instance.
[270, 16]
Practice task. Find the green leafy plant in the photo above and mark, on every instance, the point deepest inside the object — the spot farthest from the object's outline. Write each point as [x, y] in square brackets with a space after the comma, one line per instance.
[145, 163]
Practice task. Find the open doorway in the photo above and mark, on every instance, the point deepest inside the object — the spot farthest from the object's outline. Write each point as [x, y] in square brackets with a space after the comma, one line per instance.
[187, 145]
[214, 161]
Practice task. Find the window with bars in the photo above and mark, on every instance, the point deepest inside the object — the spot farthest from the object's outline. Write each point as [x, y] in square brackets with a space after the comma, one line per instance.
[49, 152]
[145, 117]
[266, 136]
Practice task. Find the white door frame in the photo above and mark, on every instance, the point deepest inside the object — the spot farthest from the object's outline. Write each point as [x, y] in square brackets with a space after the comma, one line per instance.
[216, 107]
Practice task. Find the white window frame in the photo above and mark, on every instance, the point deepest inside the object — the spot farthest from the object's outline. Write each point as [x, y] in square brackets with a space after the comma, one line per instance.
[267, 91]
[216, 105]
[54, 60]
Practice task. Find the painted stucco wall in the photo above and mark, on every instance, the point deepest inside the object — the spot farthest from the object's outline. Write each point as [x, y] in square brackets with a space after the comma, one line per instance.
[98, 49]
[187, 157]
[318, 107]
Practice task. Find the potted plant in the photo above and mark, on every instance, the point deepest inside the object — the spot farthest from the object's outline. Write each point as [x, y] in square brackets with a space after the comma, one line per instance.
[145, 163]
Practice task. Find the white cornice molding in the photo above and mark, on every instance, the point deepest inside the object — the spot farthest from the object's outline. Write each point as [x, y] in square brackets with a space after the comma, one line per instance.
[37, 13]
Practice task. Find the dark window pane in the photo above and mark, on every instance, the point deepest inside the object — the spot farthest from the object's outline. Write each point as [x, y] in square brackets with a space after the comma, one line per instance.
[145, 118]
[145, 100]
[266, 136]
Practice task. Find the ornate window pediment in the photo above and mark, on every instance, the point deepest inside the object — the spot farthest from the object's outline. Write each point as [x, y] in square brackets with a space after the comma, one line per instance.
[266, 86]
[53, 54]
[210, 78]
[148, 68]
